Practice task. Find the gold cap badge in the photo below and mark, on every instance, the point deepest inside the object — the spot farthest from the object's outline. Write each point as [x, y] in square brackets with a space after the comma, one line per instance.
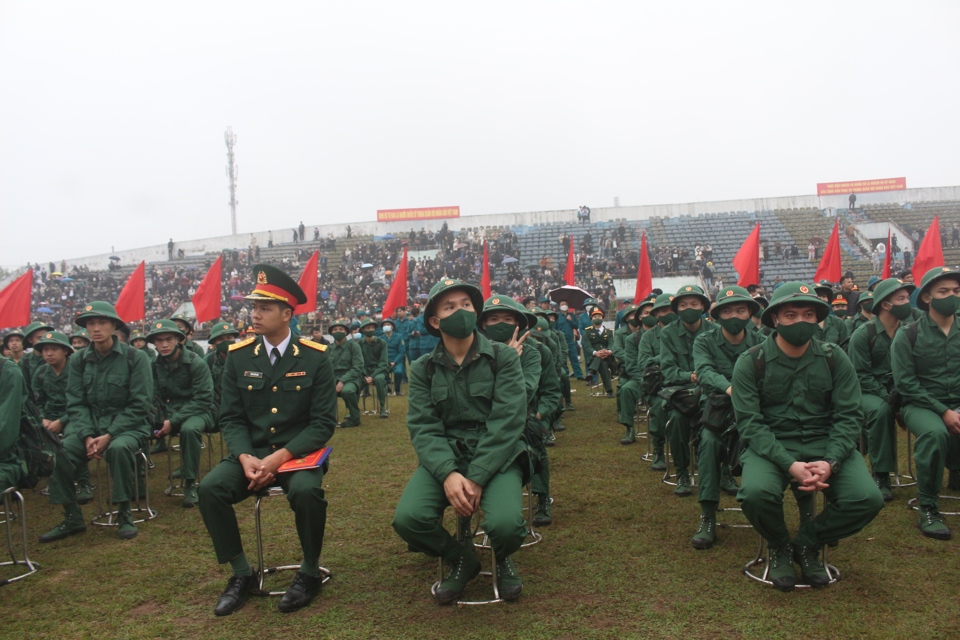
[804, 289]
[261, 278]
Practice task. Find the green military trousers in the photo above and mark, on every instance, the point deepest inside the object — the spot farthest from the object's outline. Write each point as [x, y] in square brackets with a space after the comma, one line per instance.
[599, 365]
[540, 481]
[933, 449]
[628, 394]
[708, 466]
[191, 441]
[119, 459]
[351, 400]
[678, 430]
[226, 485]
[853, 499]
[380, 386]
[657, 424]
[418, 518]
[565, 387]
[9, 474]
[880, 426]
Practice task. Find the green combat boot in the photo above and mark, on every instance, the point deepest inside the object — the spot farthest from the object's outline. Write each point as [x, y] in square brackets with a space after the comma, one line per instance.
[659, 461]
[84, 491]
[728, 484]
[683, 488]
[464, 567]
[559, 426]
[883, 483]
[544, 515]
[706, 534]
[160, 447]
[630, 438]
[509, 584]
[72, 523]
[932, 525]
[811, 567]
[191, 495]
[782, 573]
[127, 529]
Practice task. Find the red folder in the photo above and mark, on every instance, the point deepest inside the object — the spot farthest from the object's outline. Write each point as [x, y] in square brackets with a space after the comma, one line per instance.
[312, 461]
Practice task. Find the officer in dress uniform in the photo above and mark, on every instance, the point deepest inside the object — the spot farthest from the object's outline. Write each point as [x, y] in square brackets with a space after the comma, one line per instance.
[466, 420]
[596, 350]
[278, 403]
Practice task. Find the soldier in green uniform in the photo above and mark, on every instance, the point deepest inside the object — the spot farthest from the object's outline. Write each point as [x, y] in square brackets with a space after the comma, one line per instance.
[556, 345]
[13, 342]
[864, 312]
[832, 328]
[109, 392]
[396, 361]
[466, 419]
[13, 399]
[714, 354]
[79, 339]
[924, 357]
[182, 382]
[553, 318]
[869, 352]
[138, 340]
[278, 403]
[347, 359]
[596, 350]
[627, 385]
[546, 404]
[758, 324]
[222, 335]
[797, 404]
[186, 326]
[676, 361]
[648, 362]
[376, 366]
[34, 359]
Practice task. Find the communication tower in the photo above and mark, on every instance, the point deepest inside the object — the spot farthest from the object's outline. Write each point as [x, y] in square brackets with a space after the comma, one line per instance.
[232, 172]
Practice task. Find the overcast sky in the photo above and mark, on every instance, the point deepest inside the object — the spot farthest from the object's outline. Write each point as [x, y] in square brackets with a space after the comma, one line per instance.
[112, 114]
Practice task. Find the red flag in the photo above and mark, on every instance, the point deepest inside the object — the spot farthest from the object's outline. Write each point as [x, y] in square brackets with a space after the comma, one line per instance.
[830, 268]
[930, 253]
[130, 303]
[886, 259]
[398, 290]
[485, 275]
[15, 301]
[747, 260]
[568, 276]
[644, 278]
[308, 282]
[206, 301]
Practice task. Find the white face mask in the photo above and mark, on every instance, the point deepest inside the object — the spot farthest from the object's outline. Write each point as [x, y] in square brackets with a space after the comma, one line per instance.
[387, 329]
[563, 307]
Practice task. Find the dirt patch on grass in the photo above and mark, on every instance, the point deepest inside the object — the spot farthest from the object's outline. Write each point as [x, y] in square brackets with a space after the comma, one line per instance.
[148, 608]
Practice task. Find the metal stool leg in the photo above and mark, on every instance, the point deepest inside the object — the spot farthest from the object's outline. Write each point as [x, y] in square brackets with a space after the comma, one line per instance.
[467, 531]
[896, 482]
[534, 536]
[106, 517]
[174, 485]
[31, 567]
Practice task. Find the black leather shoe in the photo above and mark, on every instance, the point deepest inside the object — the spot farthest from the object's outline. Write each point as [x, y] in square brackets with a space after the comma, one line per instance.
[300, 593]
[235, 595]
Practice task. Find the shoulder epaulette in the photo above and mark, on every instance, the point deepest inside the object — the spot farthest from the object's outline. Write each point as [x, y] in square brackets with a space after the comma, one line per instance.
[313, 345]
[242, 344]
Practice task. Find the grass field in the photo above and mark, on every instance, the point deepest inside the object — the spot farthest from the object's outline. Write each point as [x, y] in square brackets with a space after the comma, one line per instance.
[616, 563]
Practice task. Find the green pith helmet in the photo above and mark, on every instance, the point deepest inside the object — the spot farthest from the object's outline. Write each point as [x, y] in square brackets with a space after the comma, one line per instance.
[505, 303]
[184, 319]
[873, 282]
[865, 301]
[137, 335]
[81, 333]
[99, 309]
[339, 322]
[731, 295]
[887, 288]
[649, 302]
[590, 302]
[14, 333]
[663, 301]
[164, 326]
[690, 290]
[937, 273]
[34, 327]
[442, 287]
[274, 285]
[54, 338]
[824, 287]
[794, 292]
[369, 322]
[629, 310]
[222, 329]
[542, 325]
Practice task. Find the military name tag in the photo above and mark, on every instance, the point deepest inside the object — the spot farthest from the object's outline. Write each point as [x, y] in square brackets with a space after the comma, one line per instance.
[252, 374]
[295, 374]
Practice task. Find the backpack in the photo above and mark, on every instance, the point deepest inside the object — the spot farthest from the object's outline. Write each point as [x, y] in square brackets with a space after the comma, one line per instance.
[37, 447]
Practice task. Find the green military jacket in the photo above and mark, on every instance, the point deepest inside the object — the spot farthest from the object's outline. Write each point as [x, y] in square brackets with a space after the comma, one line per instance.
[560, 354]
[631, 355]
[797, 400]
[375, 362]
[648, 350]
[469, 417]
[594, 340]
[871, 358]
[623, 337]
[547, 394]
[925, 373]
[29, 365]
[619, 335]
[215, 362]
[855, 322]
[109, 394]
[291, 404]
[833, 330]
[185, 388]
[714, 357]
[676, 351]
[50, 393]
[347, 361]
[13, 394]
[531, 363]
[188, 344]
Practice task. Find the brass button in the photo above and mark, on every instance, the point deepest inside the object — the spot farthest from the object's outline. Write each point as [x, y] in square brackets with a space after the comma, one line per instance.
[274, 410]
[249, 387]
[298, 387]
[274, 388]
[272, 430]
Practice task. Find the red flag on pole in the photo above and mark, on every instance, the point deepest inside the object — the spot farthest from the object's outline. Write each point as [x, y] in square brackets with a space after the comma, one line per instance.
[830, 268]
[206, 301]
[130, 303]
[930, 253]
[886, 259]
[485, 275]
[308, 282]
[568, 276]
[15, 301]
[644, 277]
[398, 291]
[747, 260]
